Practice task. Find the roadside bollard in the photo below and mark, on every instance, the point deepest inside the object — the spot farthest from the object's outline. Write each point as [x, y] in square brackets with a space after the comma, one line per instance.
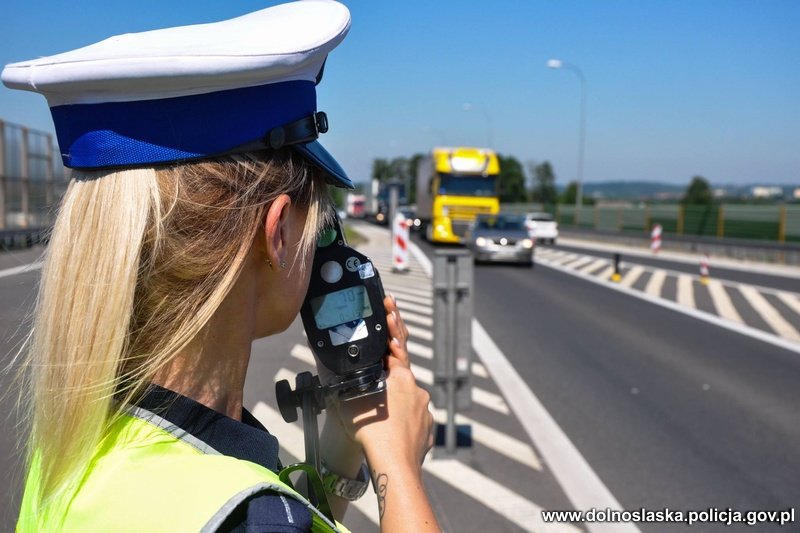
[452, 343]
[616, 276]
[400, 243]
[704, 274]
[655, 239]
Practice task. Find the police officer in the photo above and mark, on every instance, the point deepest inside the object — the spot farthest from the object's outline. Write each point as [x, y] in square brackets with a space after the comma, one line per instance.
[187, 231]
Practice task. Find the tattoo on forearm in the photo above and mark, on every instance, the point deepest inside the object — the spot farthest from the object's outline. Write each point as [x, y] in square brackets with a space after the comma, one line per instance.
[381, 486]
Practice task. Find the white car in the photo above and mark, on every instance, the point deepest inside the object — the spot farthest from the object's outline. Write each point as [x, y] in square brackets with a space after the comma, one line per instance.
[542, 227]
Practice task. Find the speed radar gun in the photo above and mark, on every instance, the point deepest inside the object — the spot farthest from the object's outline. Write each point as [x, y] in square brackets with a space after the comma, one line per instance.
[345, 322]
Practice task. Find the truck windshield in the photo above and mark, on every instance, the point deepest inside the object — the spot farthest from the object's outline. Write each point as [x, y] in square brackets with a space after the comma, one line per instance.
[466, 185]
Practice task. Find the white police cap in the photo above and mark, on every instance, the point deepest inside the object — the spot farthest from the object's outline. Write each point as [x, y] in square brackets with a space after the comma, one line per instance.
[193, 92]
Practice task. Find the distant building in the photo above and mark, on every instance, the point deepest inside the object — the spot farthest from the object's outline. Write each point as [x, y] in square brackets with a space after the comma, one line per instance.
[767, 192]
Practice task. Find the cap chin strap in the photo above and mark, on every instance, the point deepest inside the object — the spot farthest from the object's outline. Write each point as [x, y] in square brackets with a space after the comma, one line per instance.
[305, 130]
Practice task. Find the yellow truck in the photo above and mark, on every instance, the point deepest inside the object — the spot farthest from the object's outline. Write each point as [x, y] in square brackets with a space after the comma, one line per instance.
[453, 186]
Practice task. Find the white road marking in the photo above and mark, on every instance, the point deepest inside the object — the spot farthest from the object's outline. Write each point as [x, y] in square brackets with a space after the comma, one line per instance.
[420, 333]
[420, 350]
[13, 271]
[566, 259]
[722, 302]
[498, 441]
[594, 265]
[742, 329]
[290, 437]
[399, 290]
[580, 482]
[632, 276]
[408, 316]
[770, 315]
[421, 309]
[504, 501]
[480, 396]
[605, 274]
[685, 291]
[790, 300]
[581, 262]
[304, 354]
[422, 300]
[656, 283]
[479, 370]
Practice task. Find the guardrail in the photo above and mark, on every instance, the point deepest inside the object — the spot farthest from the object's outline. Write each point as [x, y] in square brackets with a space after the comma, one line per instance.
[759, 233]
[776, 223]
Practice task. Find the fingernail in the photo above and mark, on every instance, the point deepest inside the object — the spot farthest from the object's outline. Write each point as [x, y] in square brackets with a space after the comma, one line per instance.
[396, 342]
[394, 315]
[393, 299]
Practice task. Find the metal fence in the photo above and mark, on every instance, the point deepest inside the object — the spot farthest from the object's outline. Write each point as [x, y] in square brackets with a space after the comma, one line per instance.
[32, 178]
[778, 223]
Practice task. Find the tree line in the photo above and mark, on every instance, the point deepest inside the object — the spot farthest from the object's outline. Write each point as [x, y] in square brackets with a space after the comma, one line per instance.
[514, 186]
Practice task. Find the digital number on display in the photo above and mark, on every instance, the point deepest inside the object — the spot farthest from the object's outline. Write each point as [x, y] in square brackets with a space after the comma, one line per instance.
[341, 307]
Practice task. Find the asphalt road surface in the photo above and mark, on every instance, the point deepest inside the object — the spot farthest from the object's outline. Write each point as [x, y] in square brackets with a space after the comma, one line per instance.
[670, 411]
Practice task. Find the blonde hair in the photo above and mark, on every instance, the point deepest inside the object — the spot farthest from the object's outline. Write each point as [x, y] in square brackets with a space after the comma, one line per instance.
[138, 262]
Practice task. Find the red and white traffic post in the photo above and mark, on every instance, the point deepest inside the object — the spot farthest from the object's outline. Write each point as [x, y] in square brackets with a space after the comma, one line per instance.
[655, 239]
[400, 226]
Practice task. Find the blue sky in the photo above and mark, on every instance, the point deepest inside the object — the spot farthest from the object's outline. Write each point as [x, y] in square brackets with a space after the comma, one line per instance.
[675, 88]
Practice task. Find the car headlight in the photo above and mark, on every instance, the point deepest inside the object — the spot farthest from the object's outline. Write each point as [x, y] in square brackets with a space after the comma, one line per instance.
[445, 212]
[527, 243]
[480, 241]
[417, 222]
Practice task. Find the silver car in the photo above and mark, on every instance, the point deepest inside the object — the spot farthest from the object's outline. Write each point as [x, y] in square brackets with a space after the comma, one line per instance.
[501, 237]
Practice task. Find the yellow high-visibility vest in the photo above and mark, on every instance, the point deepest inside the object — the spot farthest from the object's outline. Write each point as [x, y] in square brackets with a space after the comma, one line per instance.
[148, 475]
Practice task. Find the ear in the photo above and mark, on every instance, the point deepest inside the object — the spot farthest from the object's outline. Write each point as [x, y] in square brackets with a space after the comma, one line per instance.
[276, 230]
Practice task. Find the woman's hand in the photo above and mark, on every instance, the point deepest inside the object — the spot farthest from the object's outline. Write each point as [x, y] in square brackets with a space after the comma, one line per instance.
[394, 430]
[397, 421]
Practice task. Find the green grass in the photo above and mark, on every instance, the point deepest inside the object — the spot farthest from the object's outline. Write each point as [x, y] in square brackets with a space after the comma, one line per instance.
[353, 237]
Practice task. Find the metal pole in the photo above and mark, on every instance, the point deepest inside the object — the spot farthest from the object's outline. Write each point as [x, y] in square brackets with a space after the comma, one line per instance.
[557, 63]
[450, 431]
[25, 176]
[49, 177]
[392, 209]
[582, 141]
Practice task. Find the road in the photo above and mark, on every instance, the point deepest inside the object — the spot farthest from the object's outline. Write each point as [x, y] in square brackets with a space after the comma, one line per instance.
[729, 274]
[17, 293]
[670, 411]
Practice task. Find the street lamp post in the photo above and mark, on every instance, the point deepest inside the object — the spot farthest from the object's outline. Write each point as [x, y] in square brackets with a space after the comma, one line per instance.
[557, 63]
[470, 107]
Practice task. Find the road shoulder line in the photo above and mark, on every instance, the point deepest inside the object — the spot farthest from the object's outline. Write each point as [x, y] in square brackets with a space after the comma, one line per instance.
[576, 477]
[13, 271]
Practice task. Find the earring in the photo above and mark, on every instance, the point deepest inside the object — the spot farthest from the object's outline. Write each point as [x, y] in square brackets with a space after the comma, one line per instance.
[267, 261]
[283, 265]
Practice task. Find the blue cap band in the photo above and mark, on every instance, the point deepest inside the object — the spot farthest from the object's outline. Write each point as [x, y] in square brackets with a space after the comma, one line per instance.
[120, 134]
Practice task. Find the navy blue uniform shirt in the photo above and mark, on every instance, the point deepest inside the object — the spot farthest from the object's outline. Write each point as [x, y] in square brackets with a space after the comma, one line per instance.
[247, 440]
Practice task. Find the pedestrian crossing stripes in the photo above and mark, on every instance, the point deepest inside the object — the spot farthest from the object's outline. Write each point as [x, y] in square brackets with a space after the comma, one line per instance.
[748, 305]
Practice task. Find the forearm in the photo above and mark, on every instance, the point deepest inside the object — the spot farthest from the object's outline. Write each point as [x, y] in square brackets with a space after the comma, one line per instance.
[402, 501]
[342, 456]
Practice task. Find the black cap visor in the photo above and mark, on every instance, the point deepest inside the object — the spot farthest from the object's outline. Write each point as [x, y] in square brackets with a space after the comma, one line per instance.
[317, 155]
